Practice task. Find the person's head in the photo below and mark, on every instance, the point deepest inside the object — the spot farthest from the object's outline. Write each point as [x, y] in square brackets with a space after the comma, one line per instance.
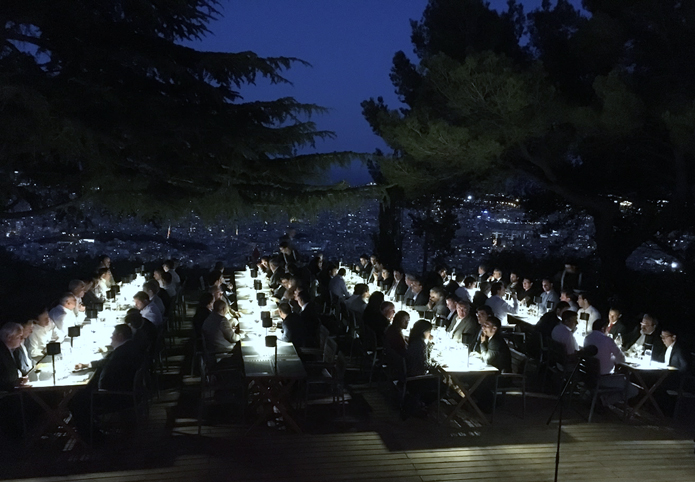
[547, 285]
[463, 307]
[527, 284]
[373, 259]
[401, 320]
[668, 336]
[157, 274]
[167, 279]
[121, 334]
[302, 297]
[570, 267]
[141, 300]
[105, 261]
[492, 326]
[416, 286]
[388, 310]
[585, 300]
[151, 287]
[614, 315]
[599, 325]
[561, 307]
[206, 300]
[364, 259]
[362, 290]
[648, 324]
[513, 277]
[569, 319]
[68, 301]
[482, 269]
[220, 307]
[497, 273]
[168, 265]
[375, 300]
[497, 289]
[27, 328]
[274, 264]
[102, 273]
[216, 292]
[77, 287]
[11, 335]
[451, 300]
[285, 281]
[342, 272]
[263, 261]
[385, 273]
[568, 296]
[469, 282]
[133, 319]
[421, 330]
[398, 274]
[484, 313]
[409, 280]
[285, 248]
[442, 271]
[436, 294]
[41, 318]
[284, 309]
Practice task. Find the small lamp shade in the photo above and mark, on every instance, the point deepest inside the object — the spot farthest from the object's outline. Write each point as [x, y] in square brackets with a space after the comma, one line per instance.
[429, 315]
[399, 298]
[91, 313]
[265, 315]
[99, 306]
[257, 285]
[254, 272]
[537, 300]
[53, 348]
[271, 341]
[261, 302]
[74, 331]
[116, 289]
[110, 294]
[409, 302]
[260, 296]
[584, 317]
[267, 322]
[550, 305]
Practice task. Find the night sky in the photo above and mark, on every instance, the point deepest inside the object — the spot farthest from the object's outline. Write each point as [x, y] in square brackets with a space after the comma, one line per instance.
[350, 44]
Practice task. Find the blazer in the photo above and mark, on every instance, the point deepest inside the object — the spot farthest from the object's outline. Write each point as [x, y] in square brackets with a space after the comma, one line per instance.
[117, 372]
[8, 369]
[680, 358]
[496, 353]
[293, 330]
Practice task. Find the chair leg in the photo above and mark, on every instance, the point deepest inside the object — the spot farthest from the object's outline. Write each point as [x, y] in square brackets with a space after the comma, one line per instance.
[523, 399]
[593, 404]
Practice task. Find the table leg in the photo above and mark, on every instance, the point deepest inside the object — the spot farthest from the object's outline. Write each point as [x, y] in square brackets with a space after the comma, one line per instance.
[649, 392]
[55, 416]
[466, 397]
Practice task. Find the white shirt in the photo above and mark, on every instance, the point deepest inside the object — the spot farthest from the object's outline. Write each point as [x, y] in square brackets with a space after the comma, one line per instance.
[36, 343]
[63, 318]
[547, 296]
[608, 352]
[563, 335]
[593, 316]
[667, 357]
[152, 313]
[500, 307]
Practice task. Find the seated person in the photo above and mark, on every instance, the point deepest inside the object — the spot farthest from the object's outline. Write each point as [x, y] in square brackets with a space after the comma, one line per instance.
[615, 325]
[585, 302]
[495, 277]
[386, 279]
[42, 333]
[451, 300]
[514, 285]
[380, 320]
[105, 262]
[676, 355]
[78, 288]
[571, 298]
[528, 292]
[464, 327]
[647, 334]
[144, 332]
[219, 333]
[466, 287]
[21, 355]
[548, 296]
[483, 314]
[168, 267]
[500, 307]
[167, 284]
[420, 296]
[437, 302]
[152, 289]
[357, 303]
[417, 354]
[116, 372]
[10, 339]
[63, 315]
[202, 312]
[550, 320]
[309, 315]
[609, 355]
[563, 333]
[292, 326]
[394, 340]
[480, 297]
[398, 287]
[336, 285]
[148, 309]
[494, 348]
[102, 285]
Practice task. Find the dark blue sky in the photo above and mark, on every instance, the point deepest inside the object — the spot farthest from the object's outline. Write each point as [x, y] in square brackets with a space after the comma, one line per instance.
[350, 44]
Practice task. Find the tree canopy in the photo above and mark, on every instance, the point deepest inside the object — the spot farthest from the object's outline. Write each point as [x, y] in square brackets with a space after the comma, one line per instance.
[595, 110]
[101, 103]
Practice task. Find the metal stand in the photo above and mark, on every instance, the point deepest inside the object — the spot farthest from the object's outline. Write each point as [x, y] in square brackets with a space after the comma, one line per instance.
[560, 405]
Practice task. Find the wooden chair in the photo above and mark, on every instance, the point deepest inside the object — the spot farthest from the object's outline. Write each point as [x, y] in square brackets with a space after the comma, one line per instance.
[596, 384]
[219, 386]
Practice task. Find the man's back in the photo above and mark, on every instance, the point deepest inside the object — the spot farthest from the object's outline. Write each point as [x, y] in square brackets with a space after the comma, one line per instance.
[118, 371]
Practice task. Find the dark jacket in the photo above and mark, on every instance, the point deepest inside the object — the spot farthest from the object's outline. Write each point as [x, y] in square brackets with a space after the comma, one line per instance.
[496, 353]
[8, 369]
[680, 358]
[117, 372]
[658, 347]
[293, 330]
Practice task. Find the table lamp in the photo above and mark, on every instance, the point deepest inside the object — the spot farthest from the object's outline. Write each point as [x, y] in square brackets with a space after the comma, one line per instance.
[266, 322]
[254, 272]
[53, 349]
[111, 294]
[73, 332]
[257, 285]
[91, 313]
[409, 302]
[271, 341]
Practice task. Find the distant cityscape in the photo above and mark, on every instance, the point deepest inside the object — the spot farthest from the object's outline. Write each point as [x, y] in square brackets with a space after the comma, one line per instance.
[486, 224]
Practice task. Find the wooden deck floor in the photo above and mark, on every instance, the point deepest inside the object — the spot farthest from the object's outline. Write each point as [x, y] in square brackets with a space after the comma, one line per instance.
[373, 444]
